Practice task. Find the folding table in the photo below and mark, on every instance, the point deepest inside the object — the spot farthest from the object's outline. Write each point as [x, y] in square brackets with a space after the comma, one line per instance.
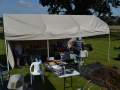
[64, 76]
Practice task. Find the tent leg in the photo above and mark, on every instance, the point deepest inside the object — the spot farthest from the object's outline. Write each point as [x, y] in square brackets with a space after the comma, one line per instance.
[48, 48]
[109, 47]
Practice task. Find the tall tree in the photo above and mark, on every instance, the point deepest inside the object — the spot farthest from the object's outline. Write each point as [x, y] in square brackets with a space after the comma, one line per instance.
[80, 7]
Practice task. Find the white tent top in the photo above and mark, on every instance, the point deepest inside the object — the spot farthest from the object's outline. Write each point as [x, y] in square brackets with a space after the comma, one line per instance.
[45, 27]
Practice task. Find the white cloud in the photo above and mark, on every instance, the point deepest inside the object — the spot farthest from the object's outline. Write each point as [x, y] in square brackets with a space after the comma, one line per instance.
[26, 4]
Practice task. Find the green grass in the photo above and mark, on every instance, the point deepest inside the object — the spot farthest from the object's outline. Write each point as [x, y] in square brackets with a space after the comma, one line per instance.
[99, 53]
[1, 24]
[2, 50]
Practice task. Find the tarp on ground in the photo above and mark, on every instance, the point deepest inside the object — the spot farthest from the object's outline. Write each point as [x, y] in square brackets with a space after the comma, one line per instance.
[47, 27]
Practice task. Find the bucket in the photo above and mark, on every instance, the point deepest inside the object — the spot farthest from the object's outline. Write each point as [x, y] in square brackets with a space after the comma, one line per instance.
[16, 82]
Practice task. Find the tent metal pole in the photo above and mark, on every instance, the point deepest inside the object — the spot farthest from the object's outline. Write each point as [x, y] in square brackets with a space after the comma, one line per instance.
[48, 48]
[109, 47]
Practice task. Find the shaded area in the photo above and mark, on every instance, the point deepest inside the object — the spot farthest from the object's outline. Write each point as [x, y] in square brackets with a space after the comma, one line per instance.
[1, 35]
[1, 24]
[3, 59]
[26, 86]
[101, 75]
[37, 84]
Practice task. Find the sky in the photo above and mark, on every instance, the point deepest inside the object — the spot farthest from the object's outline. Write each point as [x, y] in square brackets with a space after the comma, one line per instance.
[30, 7]
[21, 7]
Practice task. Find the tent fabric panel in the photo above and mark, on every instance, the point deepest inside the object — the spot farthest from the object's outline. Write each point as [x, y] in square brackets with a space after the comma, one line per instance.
[91, 23]
[60, 24]
[10, 57]
[43, 27]
[23, 26]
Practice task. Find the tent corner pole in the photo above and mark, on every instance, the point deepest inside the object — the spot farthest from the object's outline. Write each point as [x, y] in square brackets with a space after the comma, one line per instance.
[48, 48]
[109, 47]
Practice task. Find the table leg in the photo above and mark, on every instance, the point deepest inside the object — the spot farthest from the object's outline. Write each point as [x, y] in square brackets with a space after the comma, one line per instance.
[80, 63]
[64, 83]
[49, 73]
[65, 80]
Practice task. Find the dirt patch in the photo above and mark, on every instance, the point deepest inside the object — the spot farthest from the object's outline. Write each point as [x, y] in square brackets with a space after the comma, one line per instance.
[108, 75]
[99, 74]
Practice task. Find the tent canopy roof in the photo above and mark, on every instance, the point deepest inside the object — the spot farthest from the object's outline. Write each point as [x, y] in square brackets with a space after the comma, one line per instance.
[45, 27]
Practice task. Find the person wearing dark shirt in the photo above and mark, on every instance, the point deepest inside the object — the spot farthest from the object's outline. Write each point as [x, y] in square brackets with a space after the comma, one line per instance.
[18, 54]
[33, 54]
[78, 45]
[58, 46]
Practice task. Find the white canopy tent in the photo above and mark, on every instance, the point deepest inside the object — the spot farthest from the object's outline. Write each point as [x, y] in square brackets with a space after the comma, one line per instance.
[47, 27]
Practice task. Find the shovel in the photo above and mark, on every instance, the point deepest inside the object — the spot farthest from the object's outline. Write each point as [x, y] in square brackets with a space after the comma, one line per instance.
[84, 86]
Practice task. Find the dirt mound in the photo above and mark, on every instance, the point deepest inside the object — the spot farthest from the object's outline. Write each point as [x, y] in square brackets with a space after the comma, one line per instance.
[109, 75]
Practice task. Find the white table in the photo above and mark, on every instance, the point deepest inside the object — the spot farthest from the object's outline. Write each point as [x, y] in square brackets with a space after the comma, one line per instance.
[64, 76]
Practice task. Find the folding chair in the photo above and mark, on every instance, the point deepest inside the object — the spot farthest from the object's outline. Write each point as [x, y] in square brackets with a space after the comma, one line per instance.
[3, 72]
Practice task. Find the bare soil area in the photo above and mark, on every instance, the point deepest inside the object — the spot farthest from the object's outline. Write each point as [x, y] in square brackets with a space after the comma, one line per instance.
[109, 75]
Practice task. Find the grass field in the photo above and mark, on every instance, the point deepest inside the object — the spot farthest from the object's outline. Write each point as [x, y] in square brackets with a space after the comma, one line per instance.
[99, 53]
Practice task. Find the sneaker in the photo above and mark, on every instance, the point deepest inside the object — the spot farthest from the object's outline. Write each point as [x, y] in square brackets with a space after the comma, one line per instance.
[26, 64]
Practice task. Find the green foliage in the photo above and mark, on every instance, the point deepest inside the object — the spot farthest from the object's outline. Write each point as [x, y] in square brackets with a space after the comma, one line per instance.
[1, 19]
[80, 7]
[118, 21]
[113, 20]
[111, 23]
[2, 50]
[1, 24]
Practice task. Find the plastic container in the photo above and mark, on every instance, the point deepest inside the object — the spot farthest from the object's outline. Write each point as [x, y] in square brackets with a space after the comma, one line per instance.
[16, 82]
[50, 58]
[63, 70]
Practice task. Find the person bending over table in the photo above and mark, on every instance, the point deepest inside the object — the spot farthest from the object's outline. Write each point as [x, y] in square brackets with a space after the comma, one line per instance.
[33, 54]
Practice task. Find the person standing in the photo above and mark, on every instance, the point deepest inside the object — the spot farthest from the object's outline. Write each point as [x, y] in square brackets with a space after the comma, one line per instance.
[78, 44]
[18, 53]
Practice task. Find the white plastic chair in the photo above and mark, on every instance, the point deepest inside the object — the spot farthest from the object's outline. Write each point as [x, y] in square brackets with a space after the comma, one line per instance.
[37, 70]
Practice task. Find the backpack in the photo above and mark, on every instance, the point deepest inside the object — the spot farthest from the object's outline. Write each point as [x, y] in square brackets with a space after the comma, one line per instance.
[90, 48]
[119, 56]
